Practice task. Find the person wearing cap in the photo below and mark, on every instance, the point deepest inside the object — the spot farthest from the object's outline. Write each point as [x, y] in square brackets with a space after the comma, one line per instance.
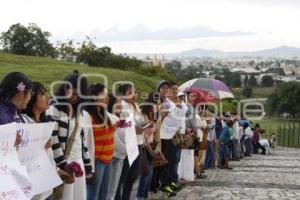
[181, 109]
[163, 89]
[179, 116]
[171, 123]
[186, 164]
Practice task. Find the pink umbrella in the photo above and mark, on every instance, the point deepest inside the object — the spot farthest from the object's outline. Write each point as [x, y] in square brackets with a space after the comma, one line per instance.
[202, 95]
[217, 87]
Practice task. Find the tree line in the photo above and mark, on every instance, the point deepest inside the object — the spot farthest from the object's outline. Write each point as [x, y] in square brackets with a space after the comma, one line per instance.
[31, 40]
[285, 100]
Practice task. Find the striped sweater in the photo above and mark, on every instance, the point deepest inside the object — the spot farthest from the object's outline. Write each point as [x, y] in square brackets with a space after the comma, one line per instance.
[104, 142]
[63, 134]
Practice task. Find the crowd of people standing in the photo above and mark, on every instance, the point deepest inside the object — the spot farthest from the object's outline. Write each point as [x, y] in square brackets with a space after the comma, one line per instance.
[92, 132]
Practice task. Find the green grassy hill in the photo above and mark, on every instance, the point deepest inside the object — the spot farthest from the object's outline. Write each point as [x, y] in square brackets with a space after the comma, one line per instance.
[46, 70]
[258, 92]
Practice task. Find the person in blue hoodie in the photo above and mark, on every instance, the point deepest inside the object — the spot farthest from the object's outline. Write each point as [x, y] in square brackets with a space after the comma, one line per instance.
[224, 142]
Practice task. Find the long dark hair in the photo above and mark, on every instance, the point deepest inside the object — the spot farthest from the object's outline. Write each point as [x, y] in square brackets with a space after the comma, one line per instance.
[72, 80]
[9, 85]
[37, 89]
[99, 116]
[111, 103]
[124, 88]
[148, 109]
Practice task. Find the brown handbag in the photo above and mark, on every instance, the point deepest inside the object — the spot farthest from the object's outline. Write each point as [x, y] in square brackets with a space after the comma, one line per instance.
[159, 159]
[183, 141]
[58, 191]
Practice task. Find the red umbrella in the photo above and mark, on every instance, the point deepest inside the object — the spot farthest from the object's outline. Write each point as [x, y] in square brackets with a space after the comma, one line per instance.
[202, 96]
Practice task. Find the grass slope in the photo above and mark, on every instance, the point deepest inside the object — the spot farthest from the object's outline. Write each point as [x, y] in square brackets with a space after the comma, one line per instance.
[258, 92]
[47, 70]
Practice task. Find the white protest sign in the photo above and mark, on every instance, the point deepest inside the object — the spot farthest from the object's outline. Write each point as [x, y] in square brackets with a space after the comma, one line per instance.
[8, 151]
[33, 155]
[173, 121]
[131, 141]
[15, 183]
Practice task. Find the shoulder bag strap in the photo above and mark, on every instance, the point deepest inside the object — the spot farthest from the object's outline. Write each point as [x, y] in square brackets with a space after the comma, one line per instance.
[71, 140]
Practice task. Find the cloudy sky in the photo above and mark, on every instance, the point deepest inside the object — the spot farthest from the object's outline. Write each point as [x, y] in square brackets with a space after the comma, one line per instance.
[161, 26]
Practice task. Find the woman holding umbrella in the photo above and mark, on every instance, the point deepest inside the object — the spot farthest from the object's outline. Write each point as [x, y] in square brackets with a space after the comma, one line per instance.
[215, 87]
[196, 98]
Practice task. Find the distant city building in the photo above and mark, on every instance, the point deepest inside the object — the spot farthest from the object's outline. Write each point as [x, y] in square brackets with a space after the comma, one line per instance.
[247, 70]
[274, 76]
[297, 72]
[288, 68]
[287, 78]
[157, 60]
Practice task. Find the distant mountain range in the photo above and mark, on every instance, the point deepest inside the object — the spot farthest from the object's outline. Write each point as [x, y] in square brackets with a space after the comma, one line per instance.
[283, 51]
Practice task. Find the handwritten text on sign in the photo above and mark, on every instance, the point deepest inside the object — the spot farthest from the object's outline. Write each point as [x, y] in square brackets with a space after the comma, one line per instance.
[15, 183]
[33, 155]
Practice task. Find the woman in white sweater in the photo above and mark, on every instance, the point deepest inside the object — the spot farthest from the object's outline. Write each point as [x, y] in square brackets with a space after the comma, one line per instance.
[66, 112]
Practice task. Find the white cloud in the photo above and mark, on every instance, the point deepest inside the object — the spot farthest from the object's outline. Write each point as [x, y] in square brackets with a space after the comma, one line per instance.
[238, 43]
[287, 3]
[141, 33]
[65, 18]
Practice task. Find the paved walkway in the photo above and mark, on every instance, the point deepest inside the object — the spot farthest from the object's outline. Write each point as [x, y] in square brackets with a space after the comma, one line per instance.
[275, 176]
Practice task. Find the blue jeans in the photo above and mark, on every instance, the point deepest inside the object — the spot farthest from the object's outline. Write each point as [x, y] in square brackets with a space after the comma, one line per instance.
[145, 180]
[248, 145]
[100, 189]
[237, 149]
[117, 165]
[224, 151]
[231, 149]
[175, 167]
[209, 159]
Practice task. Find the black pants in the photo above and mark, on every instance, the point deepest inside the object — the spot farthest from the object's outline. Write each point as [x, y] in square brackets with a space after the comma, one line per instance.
[168, 174]
[259, 146]
[175, 167]
[248, 145]
[128, 176]
[155, 179]
[231, 149]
